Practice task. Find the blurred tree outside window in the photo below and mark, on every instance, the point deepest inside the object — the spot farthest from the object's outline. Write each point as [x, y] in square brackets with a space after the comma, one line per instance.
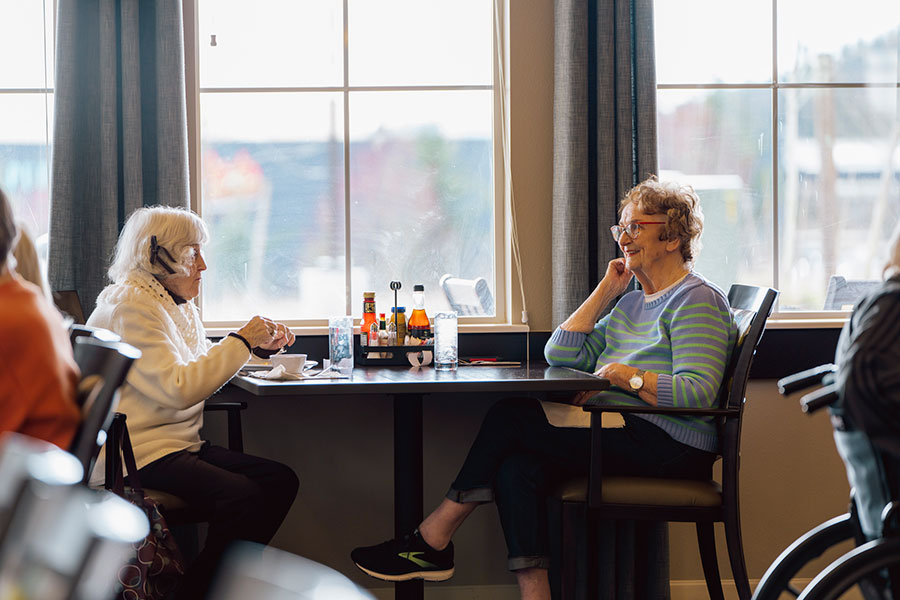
[788, 129]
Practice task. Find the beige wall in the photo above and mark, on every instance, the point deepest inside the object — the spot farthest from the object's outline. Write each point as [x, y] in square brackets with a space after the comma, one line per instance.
[791, 475]
[531, 152]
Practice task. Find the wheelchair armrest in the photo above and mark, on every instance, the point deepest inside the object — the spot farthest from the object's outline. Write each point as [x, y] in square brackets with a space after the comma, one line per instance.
[235, 430]
[804, 379]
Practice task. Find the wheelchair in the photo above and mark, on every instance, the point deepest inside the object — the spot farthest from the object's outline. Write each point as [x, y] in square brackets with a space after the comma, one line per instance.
[872, 569]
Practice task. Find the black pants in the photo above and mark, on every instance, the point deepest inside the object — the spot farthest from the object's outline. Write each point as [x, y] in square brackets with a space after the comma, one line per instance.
[518, 459]
[242, 497]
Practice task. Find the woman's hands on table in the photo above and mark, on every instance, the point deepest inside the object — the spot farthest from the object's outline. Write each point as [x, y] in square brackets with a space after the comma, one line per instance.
[261, 332]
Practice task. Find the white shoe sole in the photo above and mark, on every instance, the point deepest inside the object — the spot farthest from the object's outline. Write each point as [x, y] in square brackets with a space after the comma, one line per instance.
[426, 575]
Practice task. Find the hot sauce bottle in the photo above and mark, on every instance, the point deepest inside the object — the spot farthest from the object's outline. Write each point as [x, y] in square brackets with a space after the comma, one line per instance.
[368, 317]
[419, 326]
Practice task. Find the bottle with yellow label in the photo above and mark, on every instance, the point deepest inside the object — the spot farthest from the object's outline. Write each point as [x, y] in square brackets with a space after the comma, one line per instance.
[398, 318]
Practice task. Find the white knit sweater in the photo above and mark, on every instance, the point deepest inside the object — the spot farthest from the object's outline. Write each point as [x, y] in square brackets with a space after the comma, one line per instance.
[179, 368]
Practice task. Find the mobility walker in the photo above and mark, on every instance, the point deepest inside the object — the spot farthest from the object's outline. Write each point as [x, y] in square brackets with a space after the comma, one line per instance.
[872, 568]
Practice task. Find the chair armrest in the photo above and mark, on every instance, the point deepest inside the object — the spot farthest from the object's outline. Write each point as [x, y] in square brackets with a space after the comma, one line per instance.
[235, 430]
[664, 410]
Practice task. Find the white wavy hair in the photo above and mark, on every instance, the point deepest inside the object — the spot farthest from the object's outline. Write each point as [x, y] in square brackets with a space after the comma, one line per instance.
[176, 230]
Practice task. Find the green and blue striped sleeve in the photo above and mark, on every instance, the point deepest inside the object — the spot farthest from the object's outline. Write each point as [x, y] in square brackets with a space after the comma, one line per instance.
[575, 349]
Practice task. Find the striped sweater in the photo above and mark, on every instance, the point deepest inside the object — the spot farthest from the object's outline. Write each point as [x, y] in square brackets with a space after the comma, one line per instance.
[685, 336]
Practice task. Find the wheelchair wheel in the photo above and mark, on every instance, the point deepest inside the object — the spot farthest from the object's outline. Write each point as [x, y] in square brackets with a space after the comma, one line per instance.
[863, 566]
[811, 545]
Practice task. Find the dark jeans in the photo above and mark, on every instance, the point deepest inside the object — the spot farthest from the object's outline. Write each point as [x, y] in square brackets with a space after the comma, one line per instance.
[518, 459]
[242, 497]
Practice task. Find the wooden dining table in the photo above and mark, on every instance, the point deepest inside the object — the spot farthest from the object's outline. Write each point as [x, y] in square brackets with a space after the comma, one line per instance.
[407, 388]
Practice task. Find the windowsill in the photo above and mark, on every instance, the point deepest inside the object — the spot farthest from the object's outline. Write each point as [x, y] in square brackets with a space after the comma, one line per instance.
[812, 323]
[216, 332]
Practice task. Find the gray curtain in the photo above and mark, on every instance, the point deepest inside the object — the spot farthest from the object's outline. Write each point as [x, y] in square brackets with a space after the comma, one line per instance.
[120, 130]
[604, 142]
[604, 134]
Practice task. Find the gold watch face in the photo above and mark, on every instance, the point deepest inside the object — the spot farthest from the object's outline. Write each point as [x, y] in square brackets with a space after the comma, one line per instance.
[636, 382]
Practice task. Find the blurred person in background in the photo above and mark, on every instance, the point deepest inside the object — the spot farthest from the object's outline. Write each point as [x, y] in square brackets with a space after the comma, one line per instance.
[38, 379]
[28, 265]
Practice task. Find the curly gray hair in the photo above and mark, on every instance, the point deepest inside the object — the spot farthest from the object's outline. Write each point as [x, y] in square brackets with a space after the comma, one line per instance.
[681, 206]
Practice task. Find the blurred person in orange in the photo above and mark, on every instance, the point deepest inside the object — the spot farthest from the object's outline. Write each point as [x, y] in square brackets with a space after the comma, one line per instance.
[39, 376]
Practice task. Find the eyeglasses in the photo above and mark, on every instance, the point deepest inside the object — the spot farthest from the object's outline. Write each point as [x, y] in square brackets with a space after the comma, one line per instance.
[633, 229]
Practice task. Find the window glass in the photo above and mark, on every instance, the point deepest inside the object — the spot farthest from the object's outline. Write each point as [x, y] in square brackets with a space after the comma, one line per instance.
[26, 112]
[26, 42]
[315, 191]
[421, 187]
[846, 42]
[273, 198]
[727, 159]
[412, 42]
[812, 217]
[289, 43]
[839, 194]
[713, 41]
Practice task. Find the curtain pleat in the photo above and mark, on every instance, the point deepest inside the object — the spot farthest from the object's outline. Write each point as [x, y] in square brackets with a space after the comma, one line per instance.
[604, 142]
[120, 130]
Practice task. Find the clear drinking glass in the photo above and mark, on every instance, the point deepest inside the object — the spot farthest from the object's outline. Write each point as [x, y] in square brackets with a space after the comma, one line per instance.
[340, 344]
[446, 353]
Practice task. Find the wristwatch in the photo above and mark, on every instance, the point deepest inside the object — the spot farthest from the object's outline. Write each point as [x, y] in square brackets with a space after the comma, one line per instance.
[637, 381]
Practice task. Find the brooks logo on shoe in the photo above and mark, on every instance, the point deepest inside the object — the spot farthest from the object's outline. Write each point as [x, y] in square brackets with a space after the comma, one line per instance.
[414, 557]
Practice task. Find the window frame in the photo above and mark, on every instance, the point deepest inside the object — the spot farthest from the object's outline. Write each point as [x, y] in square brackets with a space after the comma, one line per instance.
[781, 319]
[47, 92]
[502, 225]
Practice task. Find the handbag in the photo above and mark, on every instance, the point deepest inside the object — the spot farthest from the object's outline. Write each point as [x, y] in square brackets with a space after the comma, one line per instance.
[157, 566]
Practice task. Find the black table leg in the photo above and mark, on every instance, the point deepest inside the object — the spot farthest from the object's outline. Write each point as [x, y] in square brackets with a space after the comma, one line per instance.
[408, 479]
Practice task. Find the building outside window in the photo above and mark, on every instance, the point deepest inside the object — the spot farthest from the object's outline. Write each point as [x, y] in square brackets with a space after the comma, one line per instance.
[344, 144]
[784, 116]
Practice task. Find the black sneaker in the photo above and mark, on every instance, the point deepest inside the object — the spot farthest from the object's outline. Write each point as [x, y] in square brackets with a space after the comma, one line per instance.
[404, 559]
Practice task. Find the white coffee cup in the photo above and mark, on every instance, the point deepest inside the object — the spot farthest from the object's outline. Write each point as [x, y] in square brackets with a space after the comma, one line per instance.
[292, 363]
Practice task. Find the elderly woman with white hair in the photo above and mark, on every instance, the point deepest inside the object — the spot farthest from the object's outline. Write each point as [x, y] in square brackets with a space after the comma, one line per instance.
[156, 272]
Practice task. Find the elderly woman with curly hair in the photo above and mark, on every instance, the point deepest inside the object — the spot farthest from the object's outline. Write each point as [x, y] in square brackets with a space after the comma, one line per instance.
[156, 273]
[665, 345]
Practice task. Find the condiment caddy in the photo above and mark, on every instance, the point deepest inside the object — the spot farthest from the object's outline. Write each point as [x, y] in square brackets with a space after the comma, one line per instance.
[383, 335]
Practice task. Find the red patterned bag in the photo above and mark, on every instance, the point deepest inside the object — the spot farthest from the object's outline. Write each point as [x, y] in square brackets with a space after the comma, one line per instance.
[157, 567]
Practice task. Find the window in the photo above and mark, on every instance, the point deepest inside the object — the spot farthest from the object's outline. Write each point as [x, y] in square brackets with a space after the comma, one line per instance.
[26, 112]
[785, 118]
[331, 168]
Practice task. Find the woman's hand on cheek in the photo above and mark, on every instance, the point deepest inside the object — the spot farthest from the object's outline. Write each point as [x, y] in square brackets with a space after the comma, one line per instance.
[617, 275]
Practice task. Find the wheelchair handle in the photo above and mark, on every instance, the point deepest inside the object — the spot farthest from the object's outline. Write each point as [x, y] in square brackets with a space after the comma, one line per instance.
[818, 399]
[804, 379]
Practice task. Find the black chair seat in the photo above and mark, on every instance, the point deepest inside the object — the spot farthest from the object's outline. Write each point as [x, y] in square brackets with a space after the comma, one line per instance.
[647, 491]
